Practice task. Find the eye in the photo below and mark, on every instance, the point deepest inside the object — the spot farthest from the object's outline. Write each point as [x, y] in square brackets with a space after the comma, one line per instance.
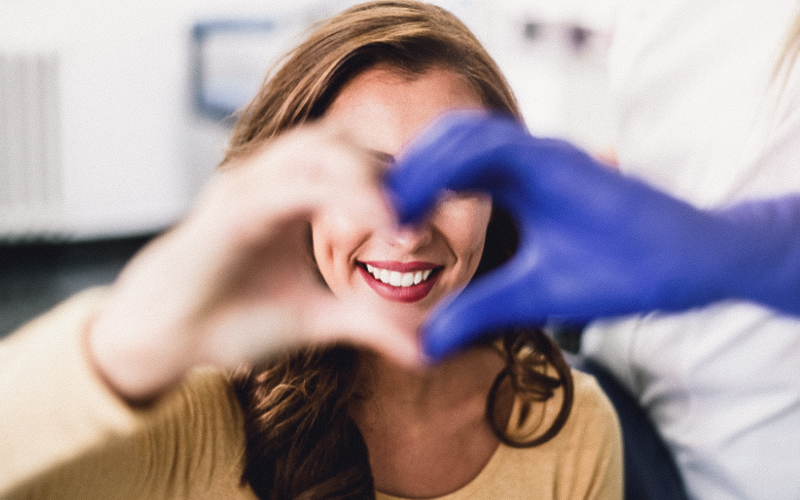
[383, 158]
[383, 161]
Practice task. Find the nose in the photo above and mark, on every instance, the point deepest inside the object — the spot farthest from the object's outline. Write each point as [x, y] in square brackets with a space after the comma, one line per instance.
[410, 239]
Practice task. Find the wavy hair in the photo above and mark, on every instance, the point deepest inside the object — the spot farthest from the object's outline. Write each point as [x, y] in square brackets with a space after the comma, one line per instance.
[301, 443]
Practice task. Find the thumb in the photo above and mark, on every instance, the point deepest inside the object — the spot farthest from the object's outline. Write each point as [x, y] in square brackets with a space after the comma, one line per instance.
[333, 320]
[249, 334]
[501, 299]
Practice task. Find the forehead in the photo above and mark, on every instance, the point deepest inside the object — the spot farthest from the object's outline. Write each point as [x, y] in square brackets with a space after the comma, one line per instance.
[385, 108]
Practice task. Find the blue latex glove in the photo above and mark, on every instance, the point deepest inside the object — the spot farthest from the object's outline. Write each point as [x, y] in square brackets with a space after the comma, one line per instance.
[593, 242]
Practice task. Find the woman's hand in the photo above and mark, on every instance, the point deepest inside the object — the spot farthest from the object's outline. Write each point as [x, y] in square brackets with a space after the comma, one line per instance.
[234, 282]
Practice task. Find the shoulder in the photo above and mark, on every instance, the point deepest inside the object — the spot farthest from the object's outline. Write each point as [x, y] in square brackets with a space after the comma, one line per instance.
[592, 425]
[584, 460]
[590, 401]
[590, 407]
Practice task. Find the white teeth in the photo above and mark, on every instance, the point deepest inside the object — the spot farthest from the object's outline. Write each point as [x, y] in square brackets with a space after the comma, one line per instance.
[396, 278]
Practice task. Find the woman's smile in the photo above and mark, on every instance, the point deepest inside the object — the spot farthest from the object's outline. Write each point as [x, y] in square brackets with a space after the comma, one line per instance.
[398, 281]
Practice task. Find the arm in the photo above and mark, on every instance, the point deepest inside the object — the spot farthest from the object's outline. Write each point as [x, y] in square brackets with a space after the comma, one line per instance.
[54, 408]
[66, 436]
[593, 243]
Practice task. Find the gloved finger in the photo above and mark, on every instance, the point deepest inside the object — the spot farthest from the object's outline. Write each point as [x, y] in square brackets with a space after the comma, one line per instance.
[503, 298]
[461, 151]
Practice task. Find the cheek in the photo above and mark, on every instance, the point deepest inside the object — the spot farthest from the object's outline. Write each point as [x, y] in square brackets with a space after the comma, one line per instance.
[335, 238]
[463, 222]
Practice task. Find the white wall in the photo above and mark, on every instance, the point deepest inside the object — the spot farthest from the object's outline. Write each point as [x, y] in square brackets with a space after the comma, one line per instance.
[132, 152]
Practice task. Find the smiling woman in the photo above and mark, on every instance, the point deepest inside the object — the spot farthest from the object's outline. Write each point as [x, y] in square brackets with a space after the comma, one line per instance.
[291, 270]
[384, 108]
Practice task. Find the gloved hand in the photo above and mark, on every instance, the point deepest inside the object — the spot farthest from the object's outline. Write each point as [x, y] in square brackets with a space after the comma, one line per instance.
[593, 242]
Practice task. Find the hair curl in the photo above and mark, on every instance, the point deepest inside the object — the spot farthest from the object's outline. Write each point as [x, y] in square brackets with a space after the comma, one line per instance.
[301, 443]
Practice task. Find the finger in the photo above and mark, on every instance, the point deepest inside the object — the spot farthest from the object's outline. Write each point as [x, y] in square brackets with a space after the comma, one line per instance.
[460, 151]
[354, 175]
[298, 175]
[501, 299]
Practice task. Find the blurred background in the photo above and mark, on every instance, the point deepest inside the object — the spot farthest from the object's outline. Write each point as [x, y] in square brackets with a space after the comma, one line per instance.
[113, 114]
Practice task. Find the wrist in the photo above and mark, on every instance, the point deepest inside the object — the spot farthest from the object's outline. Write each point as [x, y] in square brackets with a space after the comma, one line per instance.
[135, 370]
[763, 252]
[137, 339]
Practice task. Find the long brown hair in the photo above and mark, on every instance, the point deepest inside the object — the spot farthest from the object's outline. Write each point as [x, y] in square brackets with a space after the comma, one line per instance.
[301, 443]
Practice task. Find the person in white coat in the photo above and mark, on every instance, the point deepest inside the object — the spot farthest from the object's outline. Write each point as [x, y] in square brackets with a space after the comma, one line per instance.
[702, 220]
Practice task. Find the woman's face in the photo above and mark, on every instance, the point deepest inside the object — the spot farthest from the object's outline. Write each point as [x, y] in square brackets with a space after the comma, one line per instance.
[404, 270]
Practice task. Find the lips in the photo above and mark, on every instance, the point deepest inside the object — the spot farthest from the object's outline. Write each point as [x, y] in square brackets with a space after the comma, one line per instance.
[400, 281]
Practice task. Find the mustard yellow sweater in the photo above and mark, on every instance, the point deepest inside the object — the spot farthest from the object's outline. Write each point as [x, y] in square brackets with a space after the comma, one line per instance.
[64, 435]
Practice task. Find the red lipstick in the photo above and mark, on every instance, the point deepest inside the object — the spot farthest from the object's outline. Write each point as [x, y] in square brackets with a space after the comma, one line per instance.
[407, 294]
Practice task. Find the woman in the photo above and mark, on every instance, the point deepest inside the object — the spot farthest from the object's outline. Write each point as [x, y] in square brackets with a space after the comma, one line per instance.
[239, 281]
